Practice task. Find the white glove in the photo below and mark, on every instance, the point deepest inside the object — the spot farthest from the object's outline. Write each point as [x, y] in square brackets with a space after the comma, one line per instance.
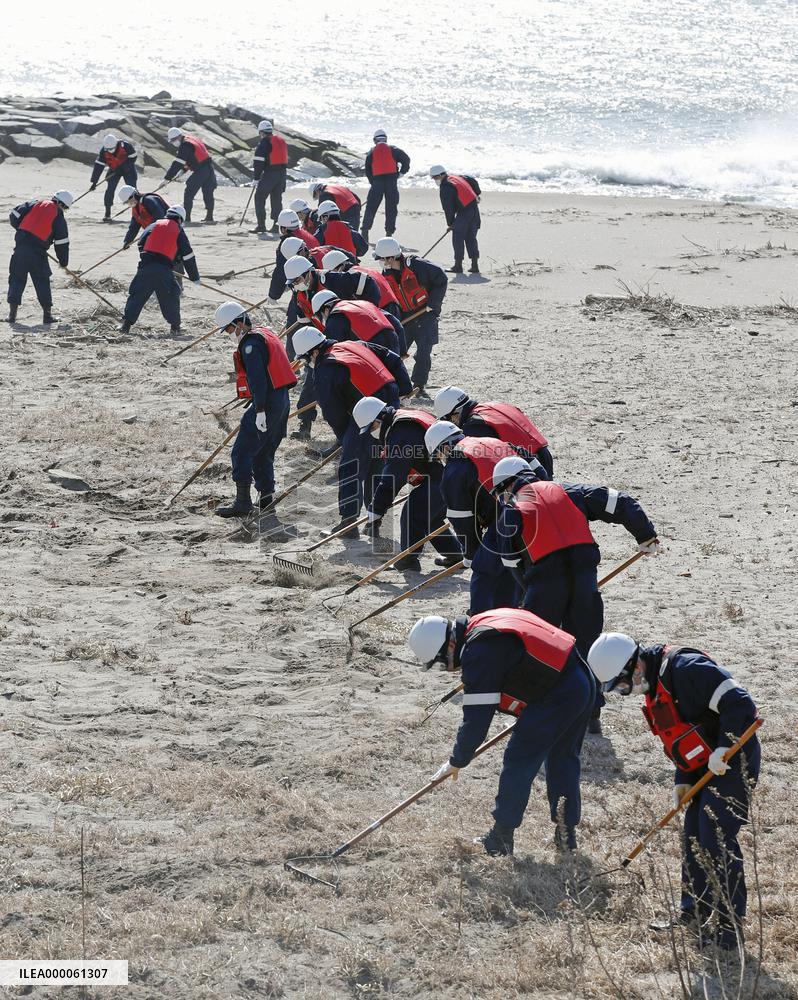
[649, 548]
[467, 563]
[253, 184]
[716, 764]
[679, 792]
[260, 422]
[445, 770]
[271, 302]
[195, 281]
[373, 517]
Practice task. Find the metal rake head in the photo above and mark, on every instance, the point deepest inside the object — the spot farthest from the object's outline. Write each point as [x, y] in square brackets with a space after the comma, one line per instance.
[292, 566]
[334, 597]
[290, 865]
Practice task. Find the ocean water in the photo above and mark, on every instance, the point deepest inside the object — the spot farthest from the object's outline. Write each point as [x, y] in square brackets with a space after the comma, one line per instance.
[676, 97]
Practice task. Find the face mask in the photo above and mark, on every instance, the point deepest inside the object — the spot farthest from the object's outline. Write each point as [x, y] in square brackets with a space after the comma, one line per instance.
[311, 362]
[376, 434]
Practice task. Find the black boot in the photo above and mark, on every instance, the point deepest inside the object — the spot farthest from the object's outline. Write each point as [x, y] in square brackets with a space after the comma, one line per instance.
[12, 313]
[594, 725]
[457, 268]
[272, 228]
[564, 838]
[266, 503]
[48, 318]
[365, 234]
[125, 327]
[241, 506]
[209, 216]
[345, 522]
[107, 216]
[498, 841]
[474, 269]
[448, 560]
[302, 433]
[258, 229]
[174, 330]
[408, 564]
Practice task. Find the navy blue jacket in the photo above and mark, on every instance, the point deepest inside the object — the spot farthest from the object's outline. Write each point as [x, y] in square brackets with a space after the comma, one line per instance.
[361, 245]
[337, 396]
[450, 201]
[184, 253]
[157, 209]
[597, 503]
[277, 283]
[58, 238]
[255, 356]
[402, 162]
[345, 284]
[261, 161]
[404, 451]
[338, 327]
[100, 164]
[469, 507]
[705, 693]
[185, 157]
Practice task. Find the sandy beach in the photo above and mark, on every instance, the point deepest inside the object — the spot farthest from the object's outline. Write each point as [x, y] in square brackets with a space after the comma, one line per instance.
[203, 717]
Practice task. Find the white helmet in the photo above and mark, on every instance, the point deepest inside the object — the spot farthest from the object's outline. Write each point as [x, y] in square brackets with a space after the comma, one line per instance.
[291, 246]
[306, 339]
[64, 198]
[322, 299]
[610, 654]
[125, 193]
[177, 210]
[288, 219]
[327, 208]
[449, 399]
[174, 133]
[299, 205]
[228, 312]
[428, 637]
[110, 141]
[437, 170]
[441, 432]
[508, 468]
[265, 126]
[366, 412]
[295, 267]
[315, 187]
[380, 135]
[387, 246]
[333, 259]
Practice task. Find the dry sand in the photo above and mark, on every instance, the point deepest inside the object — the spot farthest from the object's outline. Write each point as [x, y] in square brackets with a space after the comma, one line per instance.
[203, 718]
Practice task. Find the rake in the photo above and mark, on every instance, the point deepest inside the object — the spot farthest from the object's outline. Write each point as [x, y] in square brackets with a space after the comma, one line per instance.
[408, 593]
[290, 864]
[84, 284]
[205, 336]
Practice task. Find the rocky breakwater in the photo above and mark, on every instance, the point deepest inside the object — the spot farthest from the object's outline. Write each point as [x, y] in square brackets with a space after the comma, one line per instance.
[73, 128]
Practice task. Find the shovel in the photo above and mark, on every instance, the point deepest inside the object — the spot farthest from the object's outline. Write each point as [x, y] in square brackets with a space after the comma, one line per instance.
[290, 864]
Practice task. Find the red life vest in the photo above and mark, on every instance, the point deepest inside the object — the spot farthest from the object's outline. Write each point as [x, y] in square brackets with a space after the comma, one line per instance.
[485, 453]
[547, 651]
[311, 226]
[304, 305]
[550, 520]
[411, 295]
[114, 158]
[306, 236]
[383, 160]
[367, 373]
[281, 374]
[162, 238]
[343, 197]
[465, 193]
[387, 296]
[140, 213]
[511, 425]
[682, 741]
[365, 319]
[338, 235]
[317, 254]
[279, 154]
[201, 153]
[39, 220]
[425, 420]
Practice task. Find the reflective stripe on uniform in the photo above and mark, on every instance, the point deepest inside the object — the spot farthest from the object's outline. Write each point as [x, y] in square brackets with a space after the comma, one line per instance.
[719, 692]
[59, 242]
[178, 160]
[15, 213]
[261, 158]
[459, 513]
[188, 256]
[612, 501]
[100, 162]
[362, 283]
[510, 563]
[482, 699]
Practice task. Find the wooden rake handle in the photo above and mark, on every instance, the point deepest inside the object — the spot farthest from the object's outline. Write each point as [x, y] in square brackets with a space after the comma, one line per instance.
[86, 285]
[354, 524]
[110, 255]
[203, 467]
[487, 745]
[289, 490]
[641, 845]
[219, 291]
[408, 551]
[408, 593]
[205, 336]
[619, 569]
[448, 230]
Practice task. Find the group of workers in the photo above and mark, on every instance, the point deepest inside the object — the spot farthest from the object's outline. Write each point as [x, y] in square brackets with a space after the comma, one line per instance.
[482, 490]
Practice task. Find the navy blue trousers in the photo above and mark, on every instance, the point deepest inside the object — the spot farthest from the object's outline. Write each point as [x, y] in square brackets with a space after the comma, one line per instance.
[271, 185]
[203, 178]
[27, 260]
[423, 332]
[386, 187]
[358, 469]
[129, 173]
[423, 512]
[352, 216]
[548, 731]
[464, 233]
[713, 876]
[153, 279]
[492, 584]
[253, 451]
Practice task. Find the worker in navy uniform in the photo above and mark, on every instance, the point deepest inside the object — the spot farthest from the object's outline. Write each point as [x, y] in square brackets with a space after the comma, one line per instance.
[347, 201]
[39, 225]
[144, 210]
[118, 156]
[418, 285]
[334, 232]
[384, 165]
[193, 156]
[513, 662]
[544, 538]
[160, 245]
[471, 508]
[336, 259]
[290, 225]
[698, 711]
[345, 319]
[497, 420]
[344, 373]
[460, 202]
[263, 376]
[400, 435]
[269, 165]
[308, 218]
